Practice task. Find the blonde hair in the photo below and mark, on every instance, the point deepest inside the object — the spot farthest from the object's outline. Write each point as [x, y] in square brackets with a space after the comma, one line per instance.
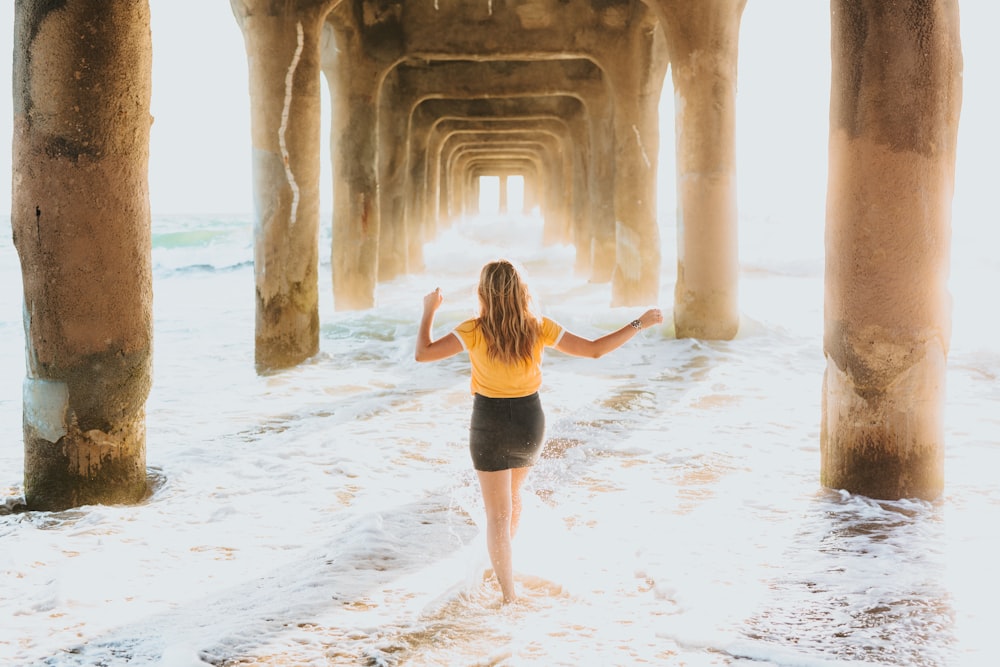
[506, 316]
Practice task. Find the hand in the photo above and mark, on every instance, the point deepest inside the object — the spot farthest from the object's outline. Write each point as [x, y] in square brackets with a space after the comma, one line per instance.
[433, 300]
[651, 317]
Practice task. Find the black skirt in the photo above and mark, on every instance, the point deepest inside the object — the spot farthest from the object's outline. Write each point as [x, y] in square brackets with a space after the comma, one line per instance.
[506, 432]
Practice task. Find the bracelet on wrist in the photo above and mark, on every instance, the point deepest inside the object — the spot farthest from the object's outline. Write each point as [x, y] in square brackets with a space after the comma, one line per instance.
[636, 324]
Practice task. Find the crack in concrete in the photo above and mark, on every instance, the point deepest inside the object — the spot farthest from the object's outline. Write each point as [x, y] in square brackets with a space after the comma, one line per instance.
[289, 81]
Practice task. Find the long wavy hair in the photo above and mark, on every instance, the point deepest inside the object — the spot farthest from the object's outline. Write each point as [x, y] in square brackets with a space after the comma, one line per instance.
[506, 315]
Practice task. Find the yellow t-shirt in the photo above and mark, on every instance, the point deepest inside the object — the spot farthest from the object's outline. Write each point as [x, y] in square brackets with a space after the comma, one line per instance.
[496, 379]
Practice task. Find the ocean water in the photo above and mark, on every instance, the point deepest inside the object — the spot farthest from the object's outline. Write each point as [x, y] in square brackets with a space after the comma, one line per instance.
[328, 514]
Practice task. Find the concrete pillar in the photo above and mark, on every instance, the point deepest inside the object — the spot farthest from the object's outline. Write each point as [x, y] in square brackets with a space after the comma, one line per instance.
[531, 191]
[636, 78]
[474, 195]
[393, 147]
[420, 226]
[601, 161]
[581, 204]
[353, 77]
[469, 201]
[503, 194]
[895, 102]
[703, 39]
[81, 226]
[282, 45]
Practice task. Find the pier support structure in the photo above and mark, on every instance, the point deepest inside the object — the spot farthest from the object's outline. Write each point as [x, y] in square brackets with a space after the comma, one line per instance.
[636, 76]
[81, 225]
[895, 103]
[424, 101]
[703, 40]
[285, 132]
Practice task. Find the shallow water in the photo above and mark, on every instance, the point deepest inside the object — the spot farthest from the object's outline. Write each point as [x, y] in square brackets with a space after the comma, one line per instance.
[328, 514]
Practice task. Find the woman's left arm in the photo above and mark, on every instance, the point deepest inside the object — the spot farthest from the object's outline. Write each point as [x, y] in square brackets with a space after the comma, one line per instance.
[442, 348]
[583, 347]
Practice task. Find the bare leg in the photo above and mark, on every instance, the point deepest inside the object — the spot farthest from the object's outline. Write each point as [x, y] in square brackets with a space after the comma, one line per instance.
[496, 488]
[517, 477]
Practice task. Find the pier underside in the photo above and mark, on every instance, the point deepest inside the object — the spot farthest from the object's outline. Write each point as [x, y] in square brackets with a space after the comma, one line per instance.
[430, 97]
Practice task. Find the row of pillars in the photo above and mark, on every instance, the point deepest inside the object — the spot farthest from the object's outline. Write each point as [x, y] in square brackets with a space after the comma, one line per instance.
[81, 220]
[588, 125]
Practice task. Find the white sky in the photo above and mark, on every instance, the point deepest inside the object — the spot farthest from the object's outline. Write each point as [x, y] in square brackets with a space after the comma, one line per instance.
[200, 140]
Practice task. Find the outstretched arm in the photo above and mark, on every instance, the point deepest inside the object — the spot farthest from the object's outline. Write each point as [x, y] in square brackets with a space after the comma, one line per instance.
[442, 348]
[582, 347]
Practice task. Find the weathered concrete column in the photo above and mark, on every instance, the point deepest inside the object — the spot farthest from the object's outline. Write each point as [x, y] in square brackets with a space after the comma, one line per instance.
[559, 223]
[581, 205]
[282, 45]
[531, 191]
[895, 102]
[353, 77]
[474, 192]
[601, 169]
[393, 140]
[703, 39]
[503, 194]
[469, 199]
[420, 226]
[81, 225]
[636, 77]
[636, 277]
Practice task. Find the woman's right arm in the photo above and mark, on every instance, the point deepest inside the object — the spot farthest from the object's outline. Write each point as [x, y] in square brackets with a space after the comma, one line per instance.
[442, 348]
[584, 347]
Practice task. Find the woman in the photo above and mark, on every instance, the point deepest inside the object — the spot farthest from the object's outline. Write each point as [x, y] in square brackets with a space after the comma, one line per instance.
[505, 346]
